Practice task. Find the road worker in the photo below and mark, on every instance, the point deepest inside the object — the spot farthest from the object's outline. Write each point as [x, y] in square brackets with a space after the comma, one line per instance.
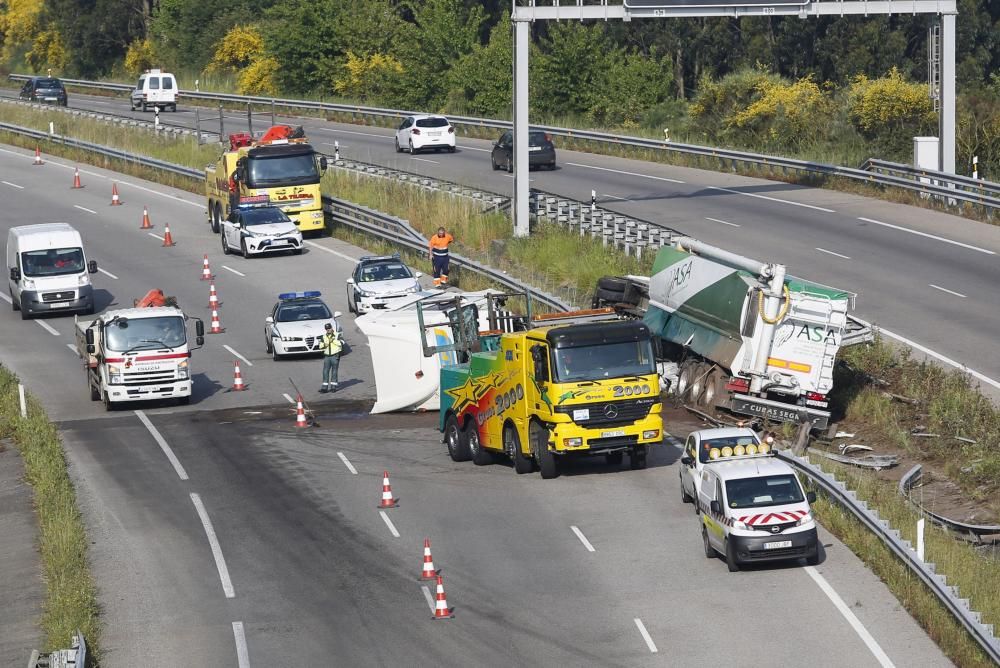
[439, 255]
[331, 344]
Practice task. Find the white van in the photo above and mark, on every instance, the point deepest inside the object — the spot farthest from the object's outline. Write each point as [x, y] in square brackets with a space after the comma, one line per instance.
[48, 270]
[155, 89]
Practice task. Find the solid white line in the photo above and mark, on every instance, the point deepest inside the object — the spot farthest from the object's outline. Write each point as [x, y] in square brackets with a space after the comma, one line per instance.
[331, 251]
[856, 624]
[155, 236]
[242, 655]
[772, 199]
[929, 236]
[645, 636]
[4, 296]
[348, 464]
[107, 273]
[330, 143]
[213, 541]
[350, 132]
[583, 539]
[289, 397]
[473, 148]
[428, 597]
[938, 356]
[13, 185]
[621, 199]
[83, 208]
[181, 473]
[238, 273]
[388, 523]
[619, 171]
[950, 292]
[248, 362]
[426, 160]
[830, 252]
[73, 348]
[716, 220]
[47, 327]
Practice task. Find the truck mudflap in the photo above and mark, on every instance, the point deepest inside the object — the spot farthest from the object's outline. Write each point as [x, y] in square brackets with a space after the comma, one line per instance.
[777, 411]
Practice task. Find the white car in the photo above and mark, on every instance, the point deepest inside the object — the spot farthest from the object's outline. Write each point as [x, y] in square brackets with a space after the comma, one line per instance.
[256, 230]
[378, 280]
[699, 449]
[417, 133]
[297, 323]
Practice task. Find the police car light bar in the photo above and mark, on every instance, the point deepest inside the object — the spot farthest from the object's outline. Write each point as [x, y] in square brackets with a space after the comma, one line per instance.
[366, 258]
[299, 295]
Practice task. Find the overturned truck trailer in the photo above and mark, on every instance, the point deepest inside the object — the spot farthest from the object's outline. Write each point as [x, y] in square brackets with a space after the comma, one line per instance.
[740, 334]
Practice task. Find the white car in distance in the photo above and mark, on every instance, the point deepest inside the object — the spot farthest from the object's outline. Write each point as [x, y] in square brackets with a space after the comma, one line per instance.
[377, 280]
[258, 230]
[422, 132]
[297, 323]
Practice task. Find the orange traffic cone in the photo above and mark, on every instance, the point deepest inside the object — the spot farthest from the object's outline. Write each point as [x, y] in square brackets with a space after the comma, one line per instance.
[238, 385]
[167, 239]
[213, 298]
[441, 609]
[428, 573]
[206, 271]
[216, 325]
[300, 414]
[114, 195]
[387, 500]
[38, 157]
[146, 223]
[76, 179]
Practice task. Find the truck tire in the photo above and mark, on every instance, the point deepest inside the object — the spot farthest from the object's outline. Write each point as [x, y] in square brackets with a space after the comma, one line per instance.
[547, 464]
[512, 444]
[713, 389]
[709, 550]
[602, 296]
[637, 457]
[612, 284]
[480, 456]
[108, 404]
[95, 392]
[684, 379]
[457, 441]
[731, 561]
[216, 218]
[615, 458]
[699, 377]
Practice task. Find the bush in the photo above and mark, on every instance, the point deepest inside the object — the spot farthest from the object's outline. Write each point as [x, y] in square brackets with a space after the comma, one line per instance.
[139, 57]
[241, 47]
[889, 112]
[260, 78]
[371, 79]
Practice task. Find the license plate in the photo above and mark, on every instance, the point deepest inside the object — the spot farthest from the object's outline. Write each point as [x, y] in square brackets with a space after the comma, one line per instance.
[777, 545]
[534, 148]
[59, 305]
[612, 433]
[433, 134]
[51, 99]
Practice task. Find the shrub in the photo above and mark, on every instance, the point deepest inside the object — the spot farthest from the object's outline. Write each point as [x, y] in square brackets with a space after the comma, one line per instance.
[889, 112]
[139, 57]
[371, 78]
[259, 78]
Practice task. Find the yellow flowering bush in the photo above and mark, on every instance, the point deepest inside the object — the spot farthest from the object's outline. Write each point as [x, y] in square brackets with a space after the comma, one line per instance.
[258, 78]
[368, 77]
[139, 57]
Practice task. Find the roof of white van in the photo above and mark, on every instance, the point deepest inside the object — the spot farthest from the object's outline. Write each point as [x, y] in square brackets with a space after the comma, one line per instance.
[46, 235]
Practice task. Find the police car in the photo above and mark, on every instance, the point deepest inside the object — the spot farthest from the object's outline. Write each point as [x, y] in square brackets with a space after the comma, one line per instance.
[297, 323]
[696, 454]
[377, 280]
[753, 509]
[255, 228]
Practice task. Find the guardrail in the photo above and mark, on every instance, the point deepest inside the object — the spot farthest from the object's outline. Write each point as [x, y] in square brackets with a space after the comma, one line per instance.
[947, 188]
[948, 595]
[906, 484]
[76, 656]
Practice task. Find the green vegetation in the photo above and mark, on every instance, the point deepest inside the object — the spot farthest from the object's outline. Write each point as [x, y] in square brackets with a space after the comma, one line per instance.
[70, 596]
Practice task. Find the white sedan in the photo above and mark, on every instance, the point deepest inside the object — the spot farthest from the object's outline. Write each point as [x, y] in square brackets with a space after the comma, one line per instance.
[379, 280]
[259, 230]
[297, 323]
[417, 133]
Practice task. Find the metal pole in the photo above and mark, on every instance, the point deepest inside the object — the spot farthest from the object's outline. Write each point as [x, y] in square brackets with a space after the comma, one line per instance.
[197, 124]
[920, 539]
[948, 93]
[273, 123]
[222, 127]
[249, 119]
[520, 207]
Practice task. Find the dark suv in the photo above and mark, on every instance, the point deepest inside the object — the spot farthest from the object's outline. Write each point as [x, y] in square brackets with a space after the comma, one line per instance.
[44, 89]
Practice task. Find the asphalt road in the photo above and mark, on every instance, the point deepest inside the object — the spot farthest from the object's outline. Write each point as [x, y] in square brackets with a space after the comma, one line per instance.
[223, 536]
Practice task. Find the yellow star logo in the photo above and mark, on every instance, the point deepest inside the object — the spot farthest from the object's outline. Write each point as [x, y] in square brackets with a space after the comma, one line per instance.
[467, 394]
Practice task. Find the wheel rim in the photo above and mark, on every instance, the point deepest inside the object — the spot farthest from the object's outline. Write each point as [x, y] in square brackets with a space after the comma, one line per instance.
[508, 443]
[708, 394]
[474, 441]
[453, 437]
[683, 381]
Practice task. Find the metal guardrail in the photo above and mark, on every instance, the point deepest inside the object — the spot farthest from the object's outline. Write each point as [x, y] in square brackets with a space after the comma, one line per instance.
[948, 595]
[912, 478]
[948, 188]
[75, 657]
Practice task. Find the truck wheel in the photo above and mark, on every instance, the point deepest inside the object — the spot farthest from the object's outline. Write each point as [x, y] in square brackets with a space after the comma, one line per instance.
[512, 444]
[684, 379]
[615, 458]
[637, 457]
[216, 218]
[540, 446]
[699, 378]
[184, 401]
[95, 392]
[480, 457]
[612, 284]
[458, 443]
[713, 389]
[108, 404]
[709, 550]
[731, 561]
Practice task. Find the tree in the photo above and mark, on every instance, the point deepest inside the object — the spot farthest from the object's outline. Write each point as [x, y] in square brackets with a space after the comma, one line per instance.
[889, 111]
[97, 33]
[185, 32]
[301, 35]
[481, 83]
[572, 68]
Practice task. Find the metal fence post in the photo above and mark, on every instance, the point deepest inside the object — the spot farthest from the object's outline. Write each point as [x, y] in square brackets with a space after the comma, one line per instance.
[222, 127]
[249, 119]
[272, 112]
[197, 125]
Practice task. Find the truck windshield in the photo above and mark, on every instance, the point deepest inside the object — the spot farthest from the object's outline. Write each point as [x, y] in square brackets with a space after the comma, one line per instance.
[52, 262]
[288, 170]
[128, 334]
[770, 490]
[605, 360]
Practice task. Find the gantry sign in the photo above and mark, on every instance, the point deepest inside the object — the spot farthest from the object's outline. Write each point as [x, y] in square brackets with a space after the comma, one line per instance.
[524, 14]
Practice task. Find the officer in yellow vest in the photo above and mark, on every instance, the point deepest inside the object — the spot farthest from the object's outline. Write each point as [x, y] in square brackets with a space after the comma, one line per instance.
[331, 345]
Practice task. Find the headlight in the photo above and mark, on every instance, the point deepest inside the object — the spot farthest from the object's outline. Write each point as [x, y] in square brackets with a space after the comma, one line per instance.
[413, 288]
[115, 378]
[805, 519]
[572, 442]
[182, 373]
[742, 525]
[29, 284]
[652, 433]
[82, 280]
[365, 293]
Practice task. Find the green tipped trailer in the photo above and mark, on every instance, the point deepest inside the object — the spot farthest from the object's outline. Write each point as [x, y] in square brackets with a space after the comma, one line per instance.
[739, 334]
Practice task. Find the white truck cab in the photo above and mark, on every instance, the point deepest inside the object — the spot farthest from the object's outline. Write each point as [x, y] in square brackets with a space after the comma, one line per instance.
[701, 443]
[155, 89]
[48, 271]
[753, 509]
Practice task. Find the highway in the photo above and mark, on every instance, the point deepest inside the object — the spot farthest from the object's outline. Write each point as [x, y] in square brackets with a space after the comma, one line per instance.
[223, 536]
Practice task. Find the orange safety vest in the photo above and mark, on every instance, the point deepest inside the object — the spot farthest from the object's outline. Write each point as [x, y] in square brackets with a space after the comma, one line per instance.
[439, 245]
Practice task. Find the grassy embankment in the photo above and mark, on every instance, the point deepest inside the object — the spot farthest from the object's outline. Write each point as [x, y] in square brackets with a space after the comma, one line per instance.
[70, 594]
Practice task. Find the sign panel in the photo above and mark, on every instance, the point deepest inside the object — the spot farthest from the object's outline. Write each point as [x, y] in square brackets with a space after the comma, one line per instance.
[678, 4]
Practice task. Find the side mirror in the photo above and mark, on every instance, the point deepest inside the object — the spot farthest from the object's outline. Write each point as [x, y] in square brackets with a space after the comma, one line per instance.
[811, 497]
[89, 336]
[15, 274]
[323, 163]
[715, 507]
[199, 329]
[419, 274]
[237, 176]
[91, 348]
[92, 266]
[687, 460]
[337, 314]
[350, 281]
[269, 320]
[538, 359]
[199, 340]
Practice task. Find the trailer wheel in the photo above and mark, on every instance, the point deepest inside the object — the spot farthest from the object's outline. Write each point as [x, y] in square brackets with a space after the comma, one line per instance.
[512, 444]
[457, 440]
[480, 457]
[713, 389]
[699, 378]
[547, 464]
[684, 379]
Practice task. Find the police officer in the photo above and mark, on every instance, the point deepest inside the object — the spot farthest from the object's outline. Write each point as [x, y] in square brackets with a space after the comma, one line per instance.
[439, 255]
[331, 345]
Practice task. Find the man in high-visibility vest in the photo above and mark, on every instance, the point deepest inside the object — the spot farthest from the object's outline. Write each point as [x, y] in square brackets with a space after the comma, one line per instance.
[439, 255]
[331, 345]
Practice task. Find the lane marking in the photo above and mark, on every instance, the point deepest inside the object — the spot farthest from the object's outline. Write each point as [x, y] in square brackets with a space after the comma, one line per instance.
[13, 185]
[351, 132]
[348, 464]
[428, 597]
[155, 236]
[213, 541]
[73, 348]
[331, 251]
[248, 362]
[620, 171]
[107, 273]
[242, 654]
[716, 220]
[181, 473]
[855, 623]
[388, 523]
[238, 273]
[329, 143]
[950, 292]
[621, 199]
[645, 636]
[47, 327]
[425, 160]
[925, 234]
[83, 208]
[289, 397]
[938, 356]
[6, 297]
[473, 148]
[830, 252]
[772, 199]
[583, 539]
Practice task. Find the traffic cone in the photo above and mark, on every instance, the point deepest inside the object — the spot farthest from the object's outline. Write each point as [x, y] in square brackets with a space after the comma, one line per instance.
[146, 223]
[387, 500]
[115, 201]
[76, 179]
[238, 385]
[428, 573]
[38, 157]
[213, 298]
[216, 325]
[441, 609]
[206, 271]
[300, 414]
[167, 239]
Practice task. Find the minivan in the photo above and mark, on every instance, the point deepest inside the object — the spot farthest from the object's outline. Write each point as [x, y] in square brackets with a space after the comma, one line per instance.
[155, 89]
[48, 270]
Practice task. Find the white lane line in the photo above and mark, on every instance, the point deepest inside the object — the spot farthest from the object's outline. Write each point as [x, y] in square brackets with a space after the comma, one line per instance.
[772, 199]
[716, 220]
[830, 252]
[428, 597]
[13, 185]
[473, 148]
[347, 463]
[4, 296]
[388, 523]
[213, 541]
[426, 160]
[621, 199]
[107, 273]
[938, 356]
[583, 539]
[331, 251]
[645, 636]
[619, 171]
[330, 143]
[242, 655]
[929, 236]
[155, 236]
[181, 473]
[47, 327]
[238, 273]
[248, 362]
[288, 397]
[950, 292]
[73, 348]
[83, 208]
[351, 132]
[855, 623]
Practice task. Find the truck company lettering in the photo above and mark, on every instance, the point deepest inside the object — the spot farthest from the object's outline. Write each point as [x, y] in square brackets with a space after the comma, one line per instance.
[679, 276]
